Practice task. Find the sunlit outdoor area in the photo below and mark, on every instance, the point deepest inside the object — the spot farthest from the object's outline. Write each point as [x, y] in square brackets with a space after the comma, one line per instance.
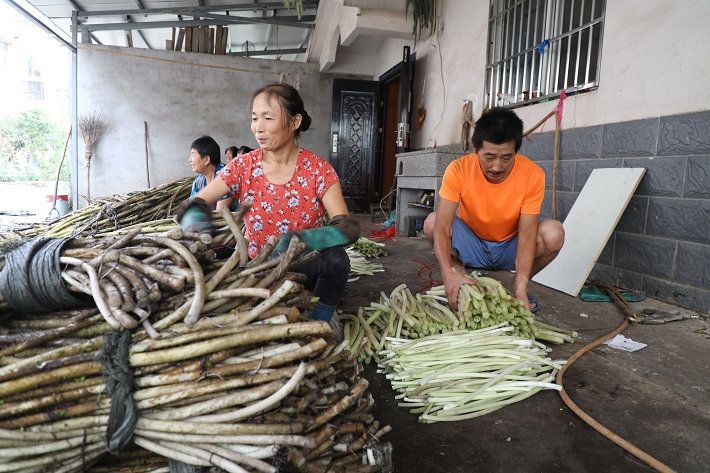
[34, 121]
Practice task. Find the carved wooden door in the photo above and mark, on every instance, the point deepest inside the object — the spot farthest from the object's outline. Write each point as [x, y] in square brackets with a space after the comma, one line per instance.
[353, 138]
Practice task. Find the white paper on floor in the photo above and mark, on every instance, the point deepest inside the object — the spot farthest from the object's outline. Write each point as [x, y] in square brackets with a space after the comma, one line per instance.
[623, 343]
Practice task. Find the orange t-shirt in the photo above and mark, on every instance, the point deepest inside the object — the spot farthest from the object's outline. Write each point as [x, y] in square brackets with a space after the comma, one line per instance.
[493, 211]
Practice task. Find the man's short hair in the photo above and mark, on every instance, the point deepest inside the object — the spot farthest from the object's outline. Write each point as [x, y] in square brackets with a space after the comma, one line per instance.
[498, 126]
[207, 146]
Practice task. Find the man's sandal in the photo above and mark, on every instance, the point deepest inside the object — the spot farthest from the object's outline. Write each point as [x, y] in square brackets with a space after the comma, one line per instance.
[533, 304]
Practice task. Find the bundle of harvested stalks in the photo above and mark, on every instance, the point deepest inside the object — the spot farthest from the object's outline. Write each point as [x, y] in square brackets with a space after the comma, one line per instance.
[150, 208]
[240, 381]
[403, 315]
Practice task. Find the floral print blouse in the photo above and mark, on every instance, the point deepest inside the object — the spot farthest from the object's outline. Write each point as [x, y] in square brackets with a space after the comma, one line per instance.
[279, 209]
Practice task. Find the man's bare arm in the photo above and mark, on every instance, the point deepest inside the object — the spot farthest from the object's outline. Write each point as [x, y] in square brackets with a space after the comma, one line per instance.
[445, 213]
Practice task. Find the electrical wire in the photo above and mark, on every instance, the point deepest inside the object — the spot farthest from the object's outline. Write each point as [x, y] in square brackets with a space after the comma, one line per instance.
[427, 278]
[443, 85]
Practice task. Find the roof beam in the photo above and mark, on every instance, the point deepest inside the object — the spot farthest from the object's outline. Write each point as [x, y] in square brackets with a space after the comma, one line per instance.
[268, 52]
[159, 24]
[271, 20]
[198, 9]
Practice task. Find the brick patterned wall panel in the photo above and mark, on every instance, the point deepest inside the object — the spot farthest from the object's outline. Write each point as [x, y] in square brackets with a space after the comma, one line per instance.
[546, 209]
[565, 174]
[697, 177]
[617, 277]
[686, 296]
[607, 254]
[681, 135]
[539, 147]
[645, 255]
[692, 265]
[580, 143]
[565, 201]
[586, 166]
[633, 220]
[663, 176]
[629, 139]
[686, 220]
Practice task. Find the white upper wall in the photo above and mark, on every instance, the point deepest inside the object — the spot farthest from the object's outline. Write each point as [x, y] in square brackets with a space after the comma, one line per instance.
[655, 62]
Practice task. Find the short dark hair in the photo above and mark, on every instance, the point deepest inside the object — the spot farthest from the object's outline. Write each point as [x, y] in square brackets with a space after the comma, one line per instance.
[207, 146]
[244, 150]
[290, 101]
[498, 126]
[233, 149]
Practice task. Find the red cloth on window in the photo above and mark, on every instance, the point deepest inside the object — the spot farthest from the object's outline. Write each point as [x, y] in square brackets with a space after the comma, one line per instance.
[278, 209]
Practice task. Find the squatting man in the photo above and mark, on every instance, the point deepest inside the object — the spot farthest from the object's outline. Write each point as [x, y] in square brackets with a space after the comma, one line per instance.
[498, 226]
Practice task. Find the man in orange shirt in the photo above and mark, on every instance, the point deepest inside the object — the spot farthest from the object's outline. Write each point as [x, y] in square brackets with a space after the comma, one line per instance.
[499, 194]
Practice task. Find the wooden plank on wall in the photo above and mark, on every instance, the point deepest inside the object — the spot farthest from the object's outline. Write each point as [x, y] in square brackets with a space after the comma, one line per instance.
[210, 43]
[180, 39]
[188, 40]
[168, 44]
[195, 39]
[218, 40]
[588, 227]
[204, 35]
[225, 35]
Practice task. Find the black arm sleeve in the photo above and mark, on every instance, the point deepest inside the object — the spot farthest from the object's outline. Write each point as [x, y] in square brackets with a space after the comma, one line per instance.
[347, 226]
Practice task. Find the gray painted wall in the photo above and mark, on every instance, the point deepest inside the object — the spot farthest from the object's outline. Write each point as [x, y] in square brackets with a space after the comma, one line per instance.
[181, 96]
[661, 246]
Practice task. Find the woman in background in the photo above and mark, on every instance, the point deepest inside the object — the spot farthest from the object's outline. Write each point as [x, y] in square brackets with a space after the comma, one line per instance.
[232, 152]
[204, 159]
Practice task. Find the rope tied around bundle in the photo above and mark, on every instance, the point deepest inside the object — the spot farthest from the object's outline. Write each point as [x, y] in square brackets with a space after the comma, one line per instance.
[31, 281]
[120, 385]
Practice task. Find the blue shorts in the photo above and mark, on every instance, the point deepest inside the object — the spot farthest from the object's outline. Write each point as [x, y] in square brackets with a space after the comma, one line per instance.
[483, 254]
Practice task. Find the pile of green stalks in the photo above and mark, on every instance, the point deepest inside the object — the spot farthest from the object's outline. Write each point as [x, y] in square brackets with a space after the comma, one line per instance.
[368, 248]
[465, 374]
[360, 266]
[488, 303]
[105, 217]
[403, 315]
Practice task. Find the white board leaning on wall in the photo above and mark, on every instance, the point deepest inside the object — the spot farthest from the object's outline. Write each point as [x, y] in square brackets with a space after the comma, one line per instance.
[589, 226]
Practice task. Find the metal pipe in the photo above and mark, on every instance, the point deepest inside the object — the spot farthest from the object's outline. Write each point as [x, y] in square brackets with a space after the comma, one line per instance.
[74, 157]
[170, 24]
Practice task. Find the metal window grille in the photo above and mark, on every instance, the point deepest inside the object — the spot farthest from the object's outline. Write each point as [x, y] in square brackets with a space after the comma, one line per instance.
[537, 48]
[34, 90]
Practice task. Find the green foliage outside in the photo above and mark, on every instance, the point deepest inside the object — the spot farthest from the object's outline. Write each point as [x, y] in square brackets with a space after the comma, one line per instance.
[31, 146]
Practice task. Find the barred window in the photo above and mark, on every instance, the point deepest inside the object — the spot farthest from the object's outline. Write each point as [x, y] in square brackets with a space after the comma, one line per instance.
[538, 48]
[34, 90]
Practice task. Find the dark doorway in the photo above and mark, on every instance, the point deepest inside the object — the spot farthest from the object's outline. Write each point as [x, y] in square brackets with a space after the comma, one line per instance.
[396, 101]
[389, 139]
[353, 140]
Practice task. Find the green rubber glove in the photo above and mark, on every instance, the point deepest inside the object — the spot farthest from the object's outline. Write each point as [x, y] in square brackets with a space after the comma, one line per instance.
[195, 213]
[315, 238]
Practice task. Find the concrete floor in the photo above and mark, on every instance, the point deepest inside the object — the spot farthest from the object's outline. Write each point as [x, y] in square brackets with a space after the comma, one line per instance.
[657, 398]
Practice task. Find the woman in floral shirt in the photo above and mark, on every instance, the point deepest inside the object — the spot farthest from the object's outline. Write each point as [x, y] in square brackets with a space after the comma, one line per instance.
[290, 189]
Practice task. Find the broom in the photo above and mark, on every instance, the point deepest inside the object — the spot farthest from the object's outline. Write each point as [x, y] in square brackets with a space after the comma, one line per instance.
[92, 127]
